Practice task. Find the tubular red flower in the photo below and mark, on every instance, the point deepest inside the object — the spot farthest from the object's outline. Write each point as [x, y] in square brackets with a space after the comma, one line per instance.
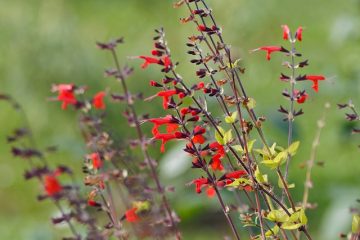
[210, 192]
[216, 162]
[148, 61]
[166, 96]
[298, 33]
[160, 121]
[96, 160]
[167, 62]
[300, 96]
[286, 32]
[98, 100]
[66, 94]
[202, 28]
[235, 174]
[131, 216]
[315, 79]
[52, 185]
[199, 183]
[269, 50]
[164, 137]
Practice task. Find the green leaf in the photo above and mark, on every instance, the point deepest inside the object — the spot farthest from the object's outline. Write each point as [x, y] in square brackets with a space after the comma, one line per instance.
[291, 226]
[227, 137]
[293, 148]
[239, 182]
[232, 118]
[303, 218]
[273, 232]
[277, 161]
[278, 216]
[250, 145]
[281, 185]
[218, 137]
[355, 225]
[251, 103]
[259, 177]
[238, 148]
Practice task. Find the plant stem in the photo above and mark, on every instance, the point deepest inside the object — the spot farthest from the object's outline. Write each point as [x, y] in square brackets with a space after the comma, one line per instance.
[144, 150]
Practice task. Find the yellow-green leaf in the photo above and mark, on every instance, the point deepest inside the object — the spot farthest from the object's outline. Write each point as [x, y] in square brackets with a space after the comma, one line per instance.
[293, 148]
[259, 177]
[281, 185]
[232, 118]
[291, 225]
[239, 182]
[227, 137]
[355, 225]
[218, 137]
[273, 231]
[251, 103]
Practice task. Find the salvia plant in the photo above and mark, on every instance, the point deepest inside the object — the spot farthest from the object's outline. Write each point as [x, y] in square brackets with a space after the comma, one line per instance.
[122, 196]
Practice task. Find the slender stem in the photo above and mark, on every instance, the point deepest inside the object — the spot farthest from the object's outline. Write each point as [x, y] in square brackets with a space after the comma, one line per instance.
[213, 182]
[291, 111]
[144, 150]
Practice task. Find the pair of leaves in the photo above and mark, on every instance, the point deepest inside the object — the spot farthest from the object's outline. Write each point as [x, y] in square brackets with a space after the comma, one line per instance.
[250, 145]
[225, 138]
[292, 222]
[281, 157]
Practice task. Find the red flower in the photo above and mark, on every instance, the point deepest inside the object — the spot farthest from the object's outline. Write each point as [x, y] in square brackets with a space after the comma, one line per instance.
[199, 183]
[164, 137]
[52, 185]
[93, 203]
[171, 126]
[96, 160]
[298, 33]
[148, 61]
[131, 216]
[202, 28]
[166, 96]
[66, 94]
[270, 49]
[166, 61]
[315, 79]
[210, 192]
[198, 135]
[98, 100]
[300, 96]
[286, 32]
[235, 174]
[216, 162]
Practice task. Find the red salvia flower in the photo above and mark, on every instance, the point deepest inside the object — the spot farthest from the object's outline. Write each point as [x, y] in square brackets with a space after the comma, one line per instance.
[202, 28]
[167, 62]
[199, 183]
[52, 185]
[166, 96]
[300, 97]
[270, 49]
[93, 203]
[165, 137]
[298, 33]
[198, 135]
[66, 94]
[234, 175]
[286, 32]
[131, 216]
[98, 100]
[210, 192]
[216, 162]
[96, 160]
[161, 121]
[315, 79]
[148, 61]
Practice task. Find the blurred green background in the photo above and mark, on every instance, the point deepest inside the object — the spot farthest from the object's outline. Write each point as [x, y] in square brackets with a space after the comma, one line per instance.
[53, 41]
